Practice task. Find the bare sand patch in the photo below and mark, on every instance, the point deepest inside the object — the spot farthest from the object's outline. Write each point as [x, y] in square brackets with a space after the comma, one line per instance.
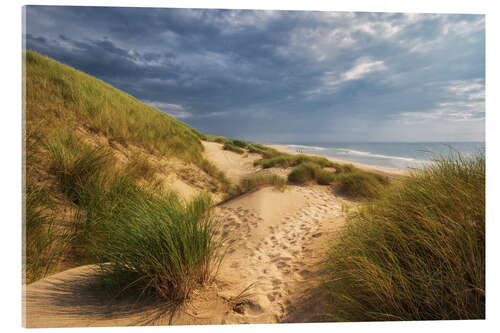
[236, 166]
[276, 247]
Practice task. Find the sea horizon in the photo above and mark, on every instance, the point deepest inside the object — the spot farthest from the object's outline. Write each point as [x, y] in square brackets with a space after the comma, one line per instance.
[399, 155]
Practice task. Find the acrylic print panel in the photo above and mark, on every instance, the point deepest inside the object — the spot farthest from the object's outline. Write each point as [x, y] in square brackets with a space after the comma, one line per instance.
[204, 166]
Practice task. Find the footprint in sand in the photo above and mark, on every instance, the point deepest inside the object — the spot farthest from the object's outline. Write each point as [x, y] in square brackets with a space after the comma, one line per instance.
[272, 296]
[305, 273]
[282, 265]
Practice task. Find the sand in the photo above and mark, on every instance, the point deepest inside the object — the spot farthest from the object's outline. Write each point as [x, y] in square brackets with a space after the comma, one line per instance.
[278, 240]
[367, 167]
[236, 166]
[276, 247]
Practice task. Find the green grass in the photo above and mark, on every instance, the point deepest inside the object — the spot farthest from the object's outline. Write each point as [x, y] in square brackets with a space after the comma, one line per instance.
[150, 240]
[361, 184]
[233, 148]
[74, 163]
[219, 175]
[253, 183]
[140, 167]
[310, 172]
[63, 94]
[261, 147]
[158, 244]
[72, 183]
[240, 143]
[278, 159]
[215, 138]
[416, 253]
[253, 149]
[43, 243]
[347, 179]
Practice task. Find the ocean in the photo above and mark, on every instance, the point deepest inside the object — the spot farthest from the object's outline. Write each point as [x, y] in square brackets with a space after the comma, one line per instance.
[400, 155]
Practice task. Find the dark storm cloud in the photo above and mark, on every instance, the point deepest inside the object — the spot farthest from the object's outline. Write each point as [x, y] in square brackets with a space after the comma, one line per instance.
[282, 75]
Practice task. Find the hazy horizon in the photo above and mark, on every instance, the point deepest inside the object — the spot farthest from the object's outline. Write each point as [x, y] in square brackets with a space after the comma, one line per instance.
[337, 141]
[283, 76]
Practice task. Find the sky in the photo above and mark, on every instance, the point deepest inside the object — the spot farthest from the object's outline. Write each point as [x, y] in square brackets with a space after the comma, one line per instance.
[283, 76]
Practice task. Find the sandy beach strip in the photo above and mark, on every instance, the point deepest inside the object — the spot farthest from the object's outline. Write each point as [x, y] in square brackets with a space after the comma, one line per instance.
[367, 167]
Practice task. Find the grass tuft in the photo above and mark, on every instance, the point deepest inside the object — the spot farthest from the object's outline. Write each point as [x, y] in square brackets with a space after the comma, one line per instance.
[360, 184]
[253, 183]
[418, 252]
[140, 167]
[159, 244]
[219, 175]
[233, 148]
[43, 243]
[74, 163]
[348, 180]
[239, 143]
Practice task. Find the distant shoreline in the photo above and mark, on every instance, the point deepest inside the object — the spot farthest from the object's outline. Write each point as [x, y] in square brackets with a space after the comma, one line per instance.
[394, 171]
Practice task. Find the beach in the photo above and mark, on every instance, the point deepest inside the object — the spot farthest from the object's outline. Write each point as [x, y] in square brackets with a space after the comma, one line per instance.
[367, 167]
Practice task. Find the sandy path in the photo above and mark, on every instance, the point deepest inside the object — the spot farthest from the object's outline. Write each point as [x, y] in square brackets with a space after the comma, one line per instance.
[277, 247]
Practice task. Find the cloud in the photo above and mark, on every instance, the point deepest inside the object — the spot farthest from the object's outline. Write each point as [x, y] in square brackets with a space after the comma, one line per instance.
[263, 74]
[175, 110]
[462, 101]
[362, 68]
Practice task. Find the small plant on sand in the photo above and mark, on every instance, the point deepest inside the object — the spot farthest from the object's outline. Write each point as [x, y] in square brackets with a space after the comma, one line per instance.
[347, 179]
[360, 184]
[233, 148]
[311, 172]
[253, 183]
[304, 173]
[240, 143]
[418, 252]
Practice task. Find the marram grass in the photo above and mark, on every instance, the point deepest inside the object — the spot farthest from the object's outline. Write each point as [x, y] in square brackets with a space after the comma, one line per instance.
[418, 252]
[72, 184]
[252, 183]
[159, 244]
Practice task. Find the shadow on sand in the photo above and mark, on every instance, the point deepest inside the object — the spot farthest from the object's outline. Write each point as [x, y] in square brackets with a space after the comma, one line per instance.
[76, 298]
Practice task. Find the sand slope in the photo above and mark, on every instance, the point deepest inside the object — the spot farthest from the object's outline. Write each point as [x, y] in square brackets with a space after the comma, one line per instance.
[277, 241]
[236, 166]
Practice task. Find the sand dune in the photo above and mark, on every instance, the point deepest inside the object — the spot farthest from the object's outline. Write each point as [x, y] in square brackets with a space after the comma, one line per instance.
[277, 240]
